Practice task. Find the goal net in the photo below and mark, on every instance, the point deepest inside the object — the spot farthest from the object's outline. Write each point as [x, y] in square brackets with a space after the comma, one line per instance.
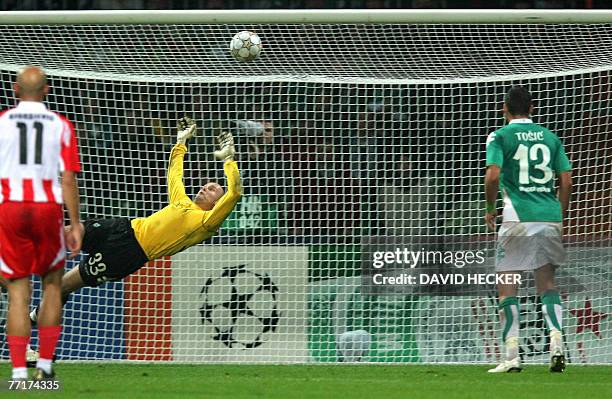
[345, 133]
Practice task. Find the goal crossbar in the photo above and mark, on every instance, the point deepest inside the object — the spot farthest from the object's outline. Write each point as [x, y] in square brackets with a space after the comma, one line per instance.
[448, 16]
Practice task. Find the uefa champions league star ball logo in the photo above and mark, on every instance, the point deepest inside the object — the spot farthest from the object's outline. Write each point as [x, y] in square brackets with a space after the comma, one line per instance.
[241, 307]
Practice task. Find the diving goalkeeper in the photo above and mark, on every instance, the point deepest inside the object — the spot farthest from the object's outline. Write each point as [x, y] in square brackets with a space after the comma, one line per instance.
[119, 247]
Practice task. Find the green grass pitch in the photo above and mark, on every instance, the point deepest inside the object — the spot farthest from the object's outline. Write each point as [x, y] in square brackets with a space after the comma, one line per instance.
[87, 380]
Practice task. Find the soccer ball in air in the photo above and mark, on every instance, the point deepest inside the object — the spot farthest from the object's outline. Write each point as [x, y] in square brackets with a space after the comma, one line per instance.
[245, 46]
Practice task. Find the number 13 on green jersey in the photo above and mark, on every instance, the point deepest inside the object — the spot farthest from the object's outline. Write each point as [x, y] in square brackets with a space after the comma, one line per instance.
[529, 157]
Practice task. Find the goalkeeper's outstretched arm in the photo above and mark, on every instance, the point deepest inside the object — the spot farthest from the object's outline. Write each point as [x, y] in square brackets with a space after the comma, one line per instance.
[224, 206]
[176, 188]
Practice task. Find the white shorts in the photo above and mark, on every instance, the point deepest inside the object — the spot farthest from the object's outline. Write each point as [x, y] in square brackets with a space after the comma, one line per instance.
[529, 246]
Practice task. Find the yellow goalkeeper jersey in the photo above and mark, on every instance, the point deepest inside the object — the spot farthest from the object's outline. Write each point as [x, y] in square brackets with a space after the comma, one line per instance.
[182, 223]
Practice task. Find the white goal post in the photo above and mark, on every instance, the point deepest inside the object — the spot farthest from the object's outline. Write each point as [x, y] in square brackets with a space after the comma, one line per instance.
[352, 126]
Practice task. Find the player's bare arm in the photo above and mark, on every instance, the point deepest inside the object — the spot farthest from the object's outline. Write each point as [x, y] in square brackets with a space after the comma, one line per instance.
[74, 234]
[565, 191]
[491, 182]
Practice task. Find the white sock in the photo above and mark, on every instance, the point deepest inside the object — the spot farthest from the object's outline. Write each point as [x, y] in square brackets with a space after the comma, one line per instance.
[44, 365]
[512, 348]
[20, 372]
[556, 342]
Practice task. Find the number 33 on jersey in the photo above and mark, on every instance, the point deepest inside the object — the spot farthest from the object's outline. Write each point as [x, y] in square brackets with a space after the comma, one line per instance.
[529, 156]
[35, 146]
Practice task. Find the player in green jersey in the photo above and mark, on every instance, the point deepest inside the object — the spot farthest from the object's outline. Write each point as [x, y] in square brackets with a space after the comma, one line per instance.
[523, 159]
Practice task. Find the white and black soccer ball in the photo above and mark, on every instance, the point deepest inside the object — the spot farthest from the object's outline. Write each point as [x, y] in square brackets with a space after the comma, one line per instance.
[241, 306]
[353, 346]
[246, 46]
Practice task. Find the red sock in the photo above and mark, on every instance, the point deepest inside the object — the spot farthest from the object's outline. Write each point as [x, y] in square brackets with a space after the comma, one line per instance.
[17, 347]
[47, 339]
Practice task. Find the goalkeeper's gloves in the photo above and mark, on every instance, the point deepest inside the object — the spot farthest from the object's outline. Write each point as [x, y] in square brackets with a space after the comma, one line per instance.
[226, 147]
[186, 129]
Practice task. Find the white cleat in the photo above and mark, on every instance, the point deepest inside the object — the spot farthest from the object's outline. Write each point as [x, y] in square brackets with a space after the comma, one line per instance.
[508, 366]
[557, 358]
[31, 357]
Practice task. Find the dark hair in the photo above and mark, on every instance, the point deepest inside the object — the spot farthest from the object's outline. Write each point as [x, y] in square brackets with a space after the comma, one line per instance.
[519, 100]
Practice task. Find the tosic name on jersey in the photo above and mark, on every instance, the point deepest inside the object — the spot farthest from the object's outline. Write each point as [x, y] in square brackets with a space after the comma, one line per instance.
[530, 136]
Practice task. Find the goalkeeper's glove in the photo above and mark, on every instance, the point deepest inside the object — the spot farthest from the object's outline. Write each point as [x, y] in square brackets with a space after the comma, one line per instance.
[186, 129]
[226, 146]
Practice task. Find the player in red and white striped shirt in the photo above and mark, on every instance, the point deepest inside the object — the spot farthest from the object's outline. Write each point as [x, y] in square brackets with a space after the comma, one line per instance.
[36, 145]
